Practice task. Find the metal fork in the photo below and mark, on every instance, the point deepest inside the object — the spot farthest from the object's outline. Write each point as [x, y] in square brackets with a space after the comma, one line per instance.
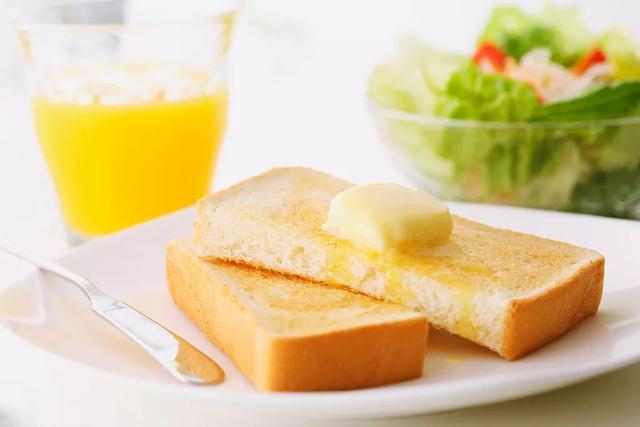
[181, 359]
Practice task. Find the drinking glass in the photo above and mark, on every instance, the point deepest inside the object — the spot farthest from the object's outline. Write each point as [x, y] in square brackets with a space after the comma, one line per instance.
[129, 109]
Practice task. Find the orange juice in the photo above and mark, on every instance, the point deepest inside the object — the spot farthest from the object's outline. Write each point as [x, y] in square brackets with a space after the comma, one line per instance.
[130, 146]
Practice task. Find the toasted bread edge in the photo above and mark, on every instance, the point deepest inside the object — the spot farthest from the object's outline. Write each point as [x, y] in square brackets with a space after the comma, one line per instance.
[536, 321]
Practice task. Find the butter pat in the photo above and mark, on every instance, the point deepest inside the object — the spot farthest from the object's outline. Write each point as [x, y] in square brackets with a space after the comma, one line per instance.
[388, 217]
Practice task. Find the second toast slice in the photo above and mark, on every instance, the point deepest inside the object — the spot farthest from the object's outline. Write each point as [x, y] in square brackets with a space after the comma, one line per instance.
[287, 334]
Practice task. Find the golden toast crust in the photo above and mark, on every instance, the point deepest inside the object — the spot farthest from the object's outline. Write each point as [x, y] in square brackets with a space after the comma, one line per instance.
[539, 320]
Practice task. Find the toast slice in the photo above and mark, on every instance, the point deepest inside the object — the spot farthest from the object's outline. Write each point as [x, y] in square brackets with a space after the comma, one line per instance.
[287, 334]
[508, 291]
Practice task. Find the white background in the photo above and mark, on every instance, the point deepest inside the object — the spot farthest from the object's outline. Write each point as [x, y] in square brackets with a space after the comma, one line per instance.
[298, 98]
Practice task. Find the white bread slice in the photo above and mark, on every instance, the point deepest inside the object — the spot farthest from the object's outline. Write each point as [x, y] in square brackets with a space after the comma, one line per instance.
[287, 334]
[508, 291]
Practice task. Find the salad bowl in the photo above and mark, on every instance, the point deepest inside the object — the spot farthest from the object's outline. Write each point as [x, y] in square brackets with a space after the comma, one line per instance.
[544, 114]
[587, 167]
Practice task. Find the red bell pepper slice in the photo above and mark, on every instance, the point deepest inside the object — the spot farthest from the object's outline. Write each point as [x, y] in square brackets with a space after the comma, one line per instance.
[596, 56]
[488, 52]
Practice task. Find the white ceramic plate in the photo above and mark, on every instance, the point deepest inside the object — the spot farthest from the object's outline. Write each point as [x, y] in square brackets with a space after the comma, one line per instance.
[53, 316]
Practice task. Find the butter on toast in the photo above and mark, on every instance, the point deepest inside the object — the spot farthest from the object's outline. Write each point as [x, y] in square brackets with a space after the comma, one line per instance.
[287, 334]
[508, 291]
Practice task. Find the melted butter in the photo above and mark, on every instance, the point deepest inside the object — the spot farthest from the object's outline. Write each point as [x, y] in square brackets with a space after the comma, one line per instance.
[465, 325]
[458, 274]
[338, 265]
[397, 289]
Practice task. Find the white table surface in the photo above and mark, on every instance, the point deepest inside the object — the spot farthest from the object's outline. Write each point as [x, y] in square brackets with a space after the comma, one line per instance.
[297, 99]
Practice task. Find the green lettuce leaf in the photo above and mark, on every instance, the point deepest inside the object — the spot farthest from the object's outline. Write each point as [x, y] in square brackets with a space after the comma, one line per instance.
[423, 80]
[474, 95]
[553, 186]
[620, 149]
[435, 66]
[613, 101]
[414, 78]
[558, 29]
[615, 193]
[622, 52]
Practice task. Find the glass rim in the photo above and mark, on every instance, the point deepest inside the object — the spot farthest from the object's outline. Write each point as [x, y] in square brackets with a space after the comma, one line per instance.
[24, 18]
[426, 119]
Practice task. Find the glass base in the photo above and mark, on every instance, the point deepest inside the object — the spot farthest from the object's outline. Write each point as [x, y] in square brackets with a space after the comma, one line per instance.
[74, 239]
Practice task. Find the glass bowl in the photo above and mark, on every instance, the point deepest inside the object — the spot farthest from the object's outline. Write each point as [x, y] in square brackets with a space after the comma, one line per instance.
[587, 167]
